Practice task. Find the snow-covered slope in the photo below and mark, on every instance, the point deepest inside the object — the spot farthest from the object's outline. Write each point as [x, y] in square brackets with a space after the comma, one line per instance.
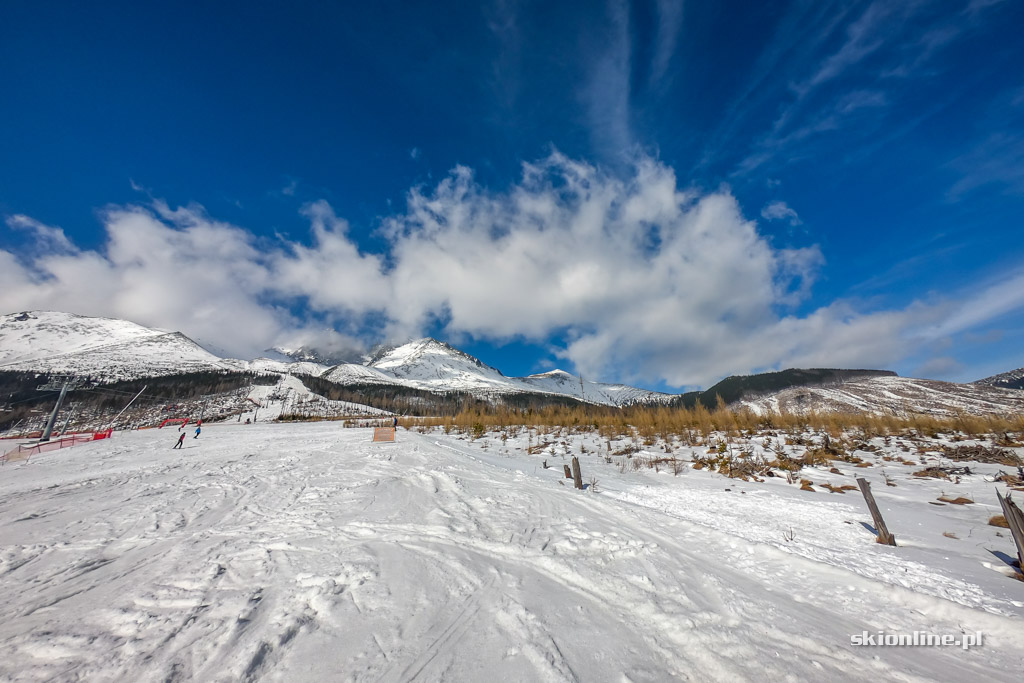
[103, 348]
[891, 396]
[352, 373]
[308, 553]
[285, 368]
[38, 335]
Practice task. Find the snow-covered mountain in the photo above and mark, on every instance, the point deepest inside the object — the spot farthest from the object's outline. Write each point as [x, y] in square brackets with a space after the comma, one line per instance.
[1014, 379]
[433, 365]
[102, 348]
[309, 354]
[113, 350]
[890, 396]
[561, 382]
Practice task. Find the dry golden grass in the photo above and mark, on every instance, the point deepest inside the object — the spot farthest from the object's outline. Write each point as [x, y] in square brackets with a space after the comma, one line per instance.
[932, 472]
[838, 489]
[959, 500]
[693, 426]
[998, 520]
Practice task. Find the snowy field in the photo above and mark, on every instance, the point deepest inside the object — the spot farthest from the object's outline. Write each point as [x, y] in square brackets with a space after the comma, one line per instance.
[305, 552]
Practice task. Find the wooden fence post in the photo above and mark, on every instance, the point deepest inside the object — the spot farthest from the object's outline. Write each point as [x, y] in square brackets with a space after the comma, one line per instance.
[884, 536]
[1015, 520]
[568, 474]
[577, 476]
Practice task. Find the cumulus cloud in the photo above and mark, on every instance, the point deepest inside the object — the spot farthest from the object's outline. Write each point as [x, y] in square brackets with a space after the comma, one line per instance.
[180, 269]
[640, 280]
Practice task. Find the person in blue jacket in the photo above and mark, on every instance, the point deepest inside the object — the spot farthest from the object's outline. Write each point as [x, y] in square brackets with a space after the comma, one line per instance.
[199, 428]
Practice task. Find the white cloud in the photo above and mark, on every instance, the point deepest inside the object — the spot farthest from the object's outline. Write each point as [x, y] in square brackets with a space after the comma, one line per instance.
[47, 238]
[780, 211]
[173, 269]
[645, 281]
[649, 282]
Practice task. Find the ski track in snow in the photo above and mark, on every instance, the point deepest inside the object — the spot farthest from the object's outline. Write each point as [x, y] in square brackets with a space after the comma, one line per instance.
[306, 552]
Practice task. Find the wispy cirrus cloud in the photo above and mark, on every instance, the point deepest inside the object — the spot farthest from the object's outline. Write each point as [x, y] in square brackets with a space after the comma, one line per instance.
[670, 20]
[863, 37]
[860, 63]
[996, 161]
[607, 91]
[995, 157]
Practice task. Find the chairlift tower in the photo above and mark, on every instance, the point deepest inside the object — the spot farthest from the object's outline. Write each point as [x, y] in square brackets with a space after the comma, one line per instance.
[62, 383]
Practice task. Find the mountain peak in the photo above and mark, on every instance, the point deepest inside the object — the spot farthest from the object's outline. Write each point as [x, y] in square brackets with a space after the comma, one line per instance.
[428, 355]
[556, 373]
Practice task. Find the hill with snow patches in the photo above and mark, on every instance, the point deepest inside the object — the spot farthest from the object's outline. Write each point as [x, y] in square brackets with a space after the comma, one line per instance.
[890, 395]
[1014, 379]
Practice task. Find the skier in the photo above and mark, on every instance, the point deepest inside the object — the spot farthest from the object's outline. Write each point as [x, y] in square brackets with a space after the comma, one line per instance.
[199, 428]
[395, 423]
[181, 440]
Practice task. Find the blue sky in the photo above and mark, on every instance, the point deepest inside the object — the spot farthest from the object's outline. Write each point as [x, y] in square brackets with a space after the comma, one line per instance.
[662, 193]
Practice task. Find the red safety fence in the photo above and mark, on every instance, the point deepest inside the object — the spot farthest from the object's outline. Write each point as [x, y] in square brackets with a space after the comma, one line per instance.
[174, 420]
[25, 451]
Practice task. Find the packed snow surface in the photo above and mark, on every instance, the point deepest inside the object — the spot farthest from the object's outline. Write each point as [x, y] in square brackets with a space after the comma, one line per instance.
[307, 552]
